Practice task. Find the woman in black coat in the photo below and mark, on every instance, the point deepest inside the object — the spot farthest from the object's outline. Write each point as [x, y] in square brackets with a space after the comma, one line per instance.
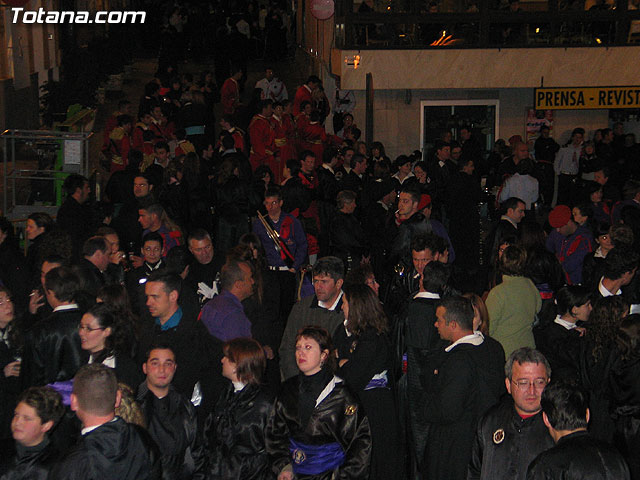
[235, 431]
[37, 411]
[106, 335]
[365, 364]
[318, 430]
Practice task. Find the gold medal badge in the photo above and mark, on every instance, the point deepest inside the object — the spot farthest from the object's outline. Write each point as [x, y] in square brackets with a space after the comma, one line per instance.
[498, 436]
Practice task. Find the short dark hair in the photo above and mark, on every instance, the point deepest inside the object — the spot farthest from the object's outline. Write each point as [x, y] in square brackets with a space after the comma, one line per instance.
[313, 79]
[158, 346]
[161, 145]
[458, 309]
[274, 191]
[424, 241]
[577, 130]
[93, 244]
[153, 237]
[511, 203]
[95, 386]
[63, 282]
[411, 190]
[356, 159]
[571, 296]
[153, 209]
[265, 103]
[170, 281]
[45, 401]
[249, 358]
[525, 355]
[565, 406]
[123, 120]
[330, 266]
[306, 153]
[435, 277]
[74, 182]
[619, 261]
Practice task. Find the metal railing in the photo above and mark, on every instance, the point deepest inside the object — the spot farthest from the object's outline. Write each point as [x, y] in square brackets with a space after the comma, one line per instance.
[409, 27]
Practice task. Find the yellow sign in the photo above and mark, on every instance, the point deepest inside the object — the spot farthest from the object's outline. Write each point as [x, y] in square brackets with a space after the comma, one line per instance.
[586, 98]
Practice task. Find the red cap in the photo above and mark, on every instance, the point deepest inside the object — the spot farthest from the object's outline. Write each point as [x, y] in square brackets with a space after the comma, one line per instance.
[425, 201]
[559, 216]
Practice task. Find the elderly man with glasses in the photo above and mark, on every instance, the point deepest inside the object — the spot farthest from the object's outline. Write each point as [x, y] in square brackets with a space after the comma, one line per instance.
[512, 433]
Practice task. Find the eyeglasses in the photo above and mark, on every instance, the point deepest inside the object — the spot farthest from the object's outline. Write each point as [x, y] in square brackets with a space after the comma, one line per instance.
[88, 329]
[538, 383]
[152, 249]
[5, 302]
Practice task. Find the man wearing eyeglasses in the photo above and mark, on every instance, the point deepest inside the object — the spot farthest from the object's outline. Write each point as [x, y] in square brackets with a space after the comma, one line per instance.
[152, 244]
[512, 433]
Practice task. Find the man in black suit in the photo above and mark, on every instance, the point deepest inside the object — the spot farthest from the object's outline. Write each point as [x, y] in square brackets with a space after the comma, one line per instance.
[96, 258]
[74, 216]
[52, 350]
[507, 227]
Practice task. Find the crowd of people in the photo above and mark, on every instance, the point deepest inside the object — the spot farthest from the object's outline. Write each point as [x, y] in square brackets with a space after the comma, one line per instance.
[282, 301]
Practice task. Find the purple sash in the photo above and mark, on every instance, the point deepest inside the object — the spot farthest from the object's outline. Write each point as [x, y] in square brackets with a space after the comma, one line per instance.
[315, 459]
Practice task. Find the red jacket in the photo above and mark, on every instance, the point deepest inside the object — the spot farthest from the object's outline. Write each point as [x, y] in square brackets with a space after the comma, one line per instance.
[262, 136]
[302, 94]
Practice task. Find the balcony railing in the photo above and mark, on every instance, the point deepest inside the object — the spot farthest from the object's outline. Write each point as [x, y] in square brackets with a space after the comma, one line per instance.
[410, 25]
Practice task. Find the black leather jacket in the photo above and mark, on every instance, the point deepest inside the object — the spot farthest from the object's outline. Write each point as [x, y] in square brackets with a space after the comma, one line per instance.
[234, 435]
[338, 417]
[172, 423]
[522, 440]
[579, 456]
[116, 450]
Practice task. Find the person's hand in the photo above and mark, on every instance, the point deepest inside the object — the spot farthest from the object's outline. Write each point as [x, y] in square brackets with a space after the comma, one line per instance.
[12, 369]
[35, 302]
[268, 352]
[581, 330]
[136, 261]
[292, 270]
[117, 257]
[342, 362]
[288, 475]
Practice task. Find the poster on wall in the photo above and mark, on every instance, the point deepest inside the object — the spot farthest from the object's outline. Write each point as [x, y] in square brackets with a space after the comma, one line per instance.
[536, 119]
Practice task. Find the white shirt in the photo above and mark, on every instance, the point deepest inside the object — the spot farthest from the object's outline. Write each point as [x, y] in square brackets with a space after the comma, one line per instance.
[525, 187]
[606, 293]
[273, 90]
[334, 305]
[476, 338]
[61, 308]
[564, 323]
[427, 295]
[567, 160]
[84, 431]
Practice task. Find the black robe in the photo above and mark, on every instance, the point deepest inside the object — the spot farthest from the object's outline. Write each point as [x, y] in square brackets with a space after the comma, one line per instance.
[115, 450]
[466, 381]
[32, 463]
[235, 435]
[336, 418]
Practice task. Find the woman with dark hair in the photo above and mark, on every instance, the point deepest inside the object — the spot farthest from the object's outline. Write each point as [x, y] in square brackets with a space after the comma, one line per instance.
[262, 180]
[542, 267]
[596, 355]
[593, 263]
[318, 431]
[559, 340]
[106, 336]
[364, 359]
[38, 223]
[234, 431]
[37, 412]
[511, 321]
[601, 208]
